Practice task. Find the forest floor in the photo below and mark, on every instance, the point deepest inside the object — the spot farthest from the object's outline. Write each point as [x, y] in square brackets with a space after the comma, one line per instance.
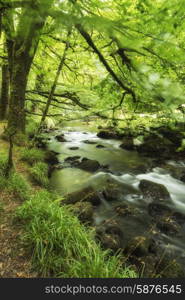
[14, 261]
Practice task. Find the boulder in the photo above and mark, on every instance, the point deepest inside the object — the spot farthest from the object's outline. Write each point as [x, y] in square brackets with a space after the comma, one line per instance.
[100, 146]
[154, 145]
[157, 210]
[167, 267]
[111, 192]
[73, 148]
[138, 246]
[154, 191]
[110, 241]
[110, 234]
[84, 211]
[111, 189]
[41, 142]
[72, 159]
[171, 134]
[179, 217]
[106, 134]
[127, 143]
[87, 194]
[110, 226]
[90, 142]
[60, 138]
[89, 165]
[168, 226]
[146, 265]
[51, 158]
[124, 210]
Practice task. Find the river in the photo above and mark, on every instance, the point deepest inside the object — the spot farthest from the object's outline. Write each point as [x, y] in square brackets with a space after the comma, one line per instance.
[125, 168]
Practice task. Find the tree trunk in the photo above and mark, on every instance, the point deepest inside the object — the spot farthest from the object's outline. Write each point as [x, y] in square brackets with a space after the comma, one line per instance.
[16, 118]
[25, 43]
[10, 157]
[4, 92]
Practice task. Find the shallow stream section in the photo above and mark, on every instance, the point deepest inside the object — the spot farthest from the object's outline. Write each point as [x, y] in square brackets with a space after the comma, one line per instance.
[124, 168]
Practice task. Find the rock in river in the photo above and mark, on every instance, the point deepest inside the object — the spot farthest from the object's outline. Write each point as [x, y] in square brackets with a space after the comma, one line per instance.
[87, 194]
[154, 191]
[73, 148]
[105, 134]
[157, 210]
[154, 145]
[89, 165]
[168, 226]
[60, 138]
[110, 234]
[138, 246]
[100, 146]
[51, 158]
[127, 143]
[90, 142]
[84, 211]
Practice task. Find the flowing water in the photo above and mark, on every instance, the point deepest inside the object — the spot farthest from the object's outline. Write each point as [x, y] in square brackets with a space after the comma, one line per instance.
[126, 168]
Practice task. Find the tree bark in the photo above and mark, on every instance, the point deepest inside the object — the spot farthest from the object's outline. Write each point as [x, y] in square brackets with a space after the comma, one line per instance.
[19, 77]
[21, 55]
[4, 91]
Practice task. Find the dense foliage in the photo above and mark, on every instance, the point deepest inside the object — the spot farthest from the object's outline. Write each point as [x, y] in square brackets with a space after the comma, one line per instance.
[93, 58]
[119, 63]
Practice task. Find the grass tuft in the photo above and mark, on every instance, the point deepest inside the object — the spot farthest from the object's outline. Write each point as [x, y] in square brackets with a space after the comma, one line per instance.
[61, 246]
[3, 163]
[32, 155]
[17, 185]
[39, 173]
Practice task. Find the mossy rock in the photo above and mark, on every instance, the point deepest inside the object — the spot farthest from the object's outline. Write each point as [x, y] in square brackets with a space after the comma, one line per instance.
[154, 191]
[169, 268]
[86, 195]
[84, 211]
[127, 143]
[89, 165]
[138, 246]
[168, 226]
[51, 158]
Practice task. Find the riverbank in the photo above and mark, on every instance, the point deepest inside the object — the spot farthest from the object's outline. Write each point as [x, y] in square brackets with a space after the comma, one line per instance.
[114, 201]
[41, 238]
[134, 202]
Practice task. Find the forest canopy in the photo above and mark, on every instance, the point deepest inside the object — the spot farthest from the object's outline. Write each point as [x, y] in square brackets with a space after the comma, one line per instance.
[74, 59]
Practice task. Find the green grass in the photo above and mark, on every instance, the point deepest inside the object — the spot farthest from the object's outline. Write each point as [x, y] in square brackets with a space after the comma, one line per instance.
[19, 186]
[3, 163]
[39, 173]
[61, 246]
[32, 155]
[15, 184]
[31, 128]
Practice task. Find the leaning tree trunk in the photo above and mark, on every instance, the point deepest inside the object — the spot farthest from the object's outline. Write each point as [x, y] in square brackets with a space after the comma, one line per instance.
[4, 91]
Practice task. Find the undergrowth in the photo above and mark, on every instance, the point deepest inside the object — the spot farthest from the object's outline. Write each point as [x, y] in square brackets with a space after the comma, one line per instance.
[15, 184]
[32, 155]
[61, 246]
[39, 173]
